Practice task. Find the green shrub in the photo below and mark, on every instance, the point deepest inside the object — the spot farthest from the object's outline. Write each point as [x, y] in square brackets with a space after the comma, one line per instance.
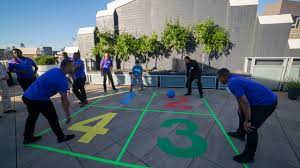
[46, 60]
[293, 84]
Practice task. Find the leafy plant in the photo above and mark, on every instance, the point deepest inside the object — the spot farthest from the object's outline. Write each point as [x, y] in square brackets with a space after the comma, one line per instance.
[125, 46]
[214, 39]
[105, 43]
[292, 84]
[176, 37]
[46, 60]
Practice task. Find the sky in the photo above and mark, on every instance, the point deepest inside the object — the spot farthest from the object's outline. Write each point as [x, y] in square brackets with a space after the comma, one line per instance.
[54, 23]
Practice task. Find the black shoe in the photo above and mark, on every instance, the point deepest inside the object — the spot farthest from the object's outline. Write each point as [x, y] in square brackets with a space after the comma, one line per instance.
[201, 96]
[242, 158]
[237, 135]
[65, 138]
[31, 140]
[10, 111]
[84, 103]
[114, 89]
[187, 94]
[0, 116]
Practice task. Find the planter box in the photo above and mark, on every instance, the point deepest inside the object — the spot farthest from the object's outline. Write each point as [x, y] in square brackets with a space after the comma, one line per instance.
[45, 68]
[293, 93]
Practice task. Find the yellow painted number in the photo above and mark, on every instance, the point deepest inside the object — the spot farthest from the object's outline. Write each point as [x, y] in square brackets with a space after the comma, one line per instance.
[92, 131]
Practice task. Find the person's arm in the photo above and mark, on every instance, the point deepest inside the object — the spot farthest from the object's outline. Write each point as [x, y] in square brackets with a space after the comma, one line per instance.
[243, 103]
[3, 73]
[245, 108]
[101, 64]
[11, 67]
[35, 67]
[66, 104]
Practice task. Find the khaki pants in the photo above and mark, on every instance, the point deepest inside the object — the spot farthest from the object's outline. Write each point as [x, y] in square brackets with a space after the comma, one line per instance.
[6, 102]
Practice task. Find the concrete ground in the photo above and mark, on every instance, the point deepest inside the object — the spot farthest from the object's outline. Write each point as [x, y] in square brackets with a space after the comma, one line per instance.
[147, 129]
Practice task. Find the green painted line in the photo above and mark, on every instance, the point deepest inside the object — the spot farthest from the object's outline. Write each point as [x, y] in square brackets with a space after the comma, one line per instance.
[220, 125]
[83, 156]
[80, 111]
[154, 110]
[135, 129]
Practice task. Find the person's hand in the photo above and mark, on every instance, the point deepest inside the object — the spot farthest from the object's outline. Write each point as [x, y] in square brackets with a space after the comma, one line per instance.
[248, 127]
[68, 119]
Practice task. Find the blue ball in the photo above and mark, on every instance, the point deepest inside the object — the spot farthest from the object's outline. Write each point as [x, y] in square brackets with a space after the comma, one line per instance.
[171, 93]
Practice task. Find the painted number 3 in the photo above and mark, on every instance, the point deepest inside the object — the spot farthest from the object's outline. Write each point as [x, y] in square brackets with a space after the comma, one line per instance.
[92, 131]
[197, 148]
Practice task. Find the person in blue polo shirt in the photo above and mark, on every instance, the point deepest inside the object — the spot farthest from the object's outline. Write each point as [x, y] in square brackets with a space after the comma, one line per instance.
[23, 67]
[37, 99]
[106, 66]
[256, 103]
[137, 75]
[79, 79]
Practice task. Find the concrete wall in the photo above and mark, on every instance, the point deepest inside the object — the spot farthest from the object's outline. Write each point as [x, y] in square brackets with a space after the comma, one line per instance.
[271, 36]
[86, 42]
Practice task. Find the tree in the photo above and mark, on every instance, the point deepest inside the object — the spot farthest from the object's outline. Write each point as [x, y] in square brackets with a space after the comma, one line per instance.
[125, 46]
[105, 42]
[214, 39]
[176, 37]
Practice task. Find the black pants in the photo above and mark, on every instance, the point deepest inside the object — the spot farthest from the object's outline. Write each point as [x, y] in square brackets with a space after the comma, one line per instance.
[259, 115]
[79, 90]
[47, 109]
[105, 75]
[199, 84]
[25, 82]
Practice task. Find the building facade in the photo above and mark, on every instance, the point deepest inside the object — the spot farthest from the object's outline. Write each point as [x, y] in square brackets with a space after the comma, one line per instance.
[253, 36]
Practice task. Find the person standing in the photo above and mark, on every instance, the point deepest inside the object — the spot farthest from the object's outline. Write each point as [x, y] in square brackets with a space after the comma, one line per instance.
[193, 73]
[37, 100]
[6, 102]
[79, 80]
[106, 66]
[23, 67]
[137, 75]
[256, 103]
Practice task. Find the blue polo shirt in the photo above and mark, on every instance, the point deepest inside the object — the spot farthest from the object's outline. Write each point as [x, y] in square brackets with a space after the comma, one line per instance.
[22, 66]
[137, 70]
[50, 83]
[79, 73]
[256, 93]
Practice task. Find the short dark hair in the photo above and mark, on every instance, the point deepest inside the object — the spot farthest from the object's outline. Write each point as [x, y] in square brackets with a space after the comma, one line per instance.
[187, 58]
[64, 54]
[65, 62]
[137, 62]
[17, 50]
[223, 72]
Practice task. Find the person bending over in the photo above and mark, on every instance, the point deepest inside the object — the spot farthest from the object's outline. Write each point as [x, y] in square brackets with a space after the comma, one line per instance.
[193, 73]
[37, 100]
[255, 104]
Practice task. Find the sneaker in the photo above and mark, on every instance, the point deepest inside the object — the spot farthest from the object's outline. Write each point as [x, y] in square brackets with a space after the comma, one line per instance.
[65, 138]
[201, 96]
[115, 89]
[31, 140]
[187, 94]
[242, 158]
[84, 103]
[10, 111]
[237, 135]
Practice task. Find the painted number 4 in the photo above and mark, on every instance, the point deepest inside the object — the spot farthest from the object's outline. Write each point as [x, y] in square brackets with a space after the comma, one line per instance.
[92, 131]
